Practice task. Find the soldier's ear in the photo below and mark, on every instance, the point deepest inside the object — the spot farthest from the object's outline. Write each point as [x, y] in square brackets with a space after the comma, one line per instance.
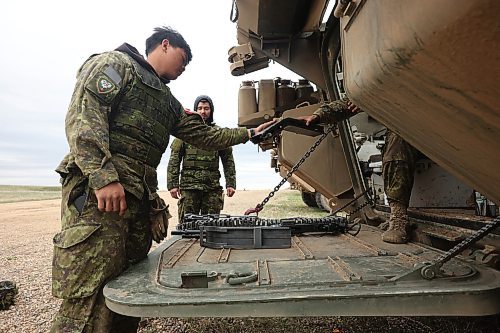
[164, 44]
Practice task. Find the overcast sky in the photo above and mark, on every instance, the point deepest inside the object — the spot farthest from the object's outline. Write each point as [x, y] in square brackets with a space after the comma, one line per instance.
[43, 43]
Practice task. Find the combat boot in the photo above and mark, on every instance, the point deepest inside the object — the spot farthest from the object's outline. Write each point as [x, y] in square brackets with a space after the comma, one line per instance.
[398, 223]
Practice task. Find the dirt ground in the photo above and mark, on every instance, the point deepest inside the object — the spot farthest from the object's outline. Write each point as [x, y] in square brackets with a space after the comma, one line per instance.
[26, 231]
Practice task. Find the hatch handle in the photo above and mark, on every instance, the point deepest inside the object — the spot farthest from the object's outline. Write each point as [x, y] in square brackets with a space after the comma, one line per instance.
[234, 278]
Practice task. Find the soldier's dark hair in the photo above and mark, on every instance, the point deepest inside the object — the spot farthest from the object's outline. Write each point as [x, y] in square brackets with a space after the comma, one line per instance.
[174, 38]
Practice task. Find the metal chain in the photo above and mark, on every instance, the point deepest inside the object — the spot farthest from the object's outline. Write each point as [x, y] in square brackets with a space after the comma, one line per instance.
[367, 202]
[271, 194]
[467, 242]
[433, 269]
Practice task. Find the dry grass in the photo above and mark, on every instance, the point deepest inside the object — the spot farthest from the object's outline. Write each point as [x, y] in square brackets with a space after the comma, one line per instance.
[15, 193]
[288, 203]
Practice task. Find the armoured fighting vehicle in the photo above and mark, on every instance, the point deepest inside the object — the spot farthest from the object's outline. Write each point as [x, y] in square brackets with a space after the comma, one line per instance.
[427, 70]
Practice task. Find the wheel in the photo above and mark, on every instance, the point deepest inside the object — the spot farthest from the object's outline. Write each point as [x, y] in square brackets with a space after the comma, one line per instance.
[309, 199]
[322, 202]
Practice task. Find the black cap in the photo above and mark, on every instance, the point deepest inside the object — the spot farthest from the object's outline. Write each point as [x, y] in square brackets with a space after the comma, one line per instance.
[205, 98]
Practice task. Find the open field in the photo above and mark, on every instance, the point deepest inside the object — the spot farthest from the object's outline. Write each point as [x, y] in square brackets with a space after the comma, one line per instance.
[27, 228]
[13, 193]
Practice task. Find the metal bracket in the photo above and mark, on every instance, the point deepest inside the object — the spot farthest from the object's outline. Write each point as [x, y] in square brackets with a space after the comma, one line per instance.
[243, 60]
[197, 279]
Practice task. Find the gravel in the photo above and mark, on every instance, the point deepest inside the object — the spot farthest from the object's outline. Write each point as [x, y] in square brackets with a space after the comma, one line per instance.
[26, 235]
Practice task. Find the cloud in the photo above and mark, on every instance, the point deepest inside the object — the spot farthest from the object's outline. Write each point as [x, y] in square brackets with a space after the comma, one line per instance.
[45, 42]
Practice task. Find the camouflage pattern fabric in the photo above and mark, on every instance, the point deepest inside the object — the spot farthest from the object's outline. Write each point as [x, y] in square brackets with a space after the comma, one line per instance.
[118, 125]
[200, 202]
[398, 168]
[92, 248]
[90, 314]
[8, 291]
[200, 169]
[326, 112]
[152, 114]
[399, 157]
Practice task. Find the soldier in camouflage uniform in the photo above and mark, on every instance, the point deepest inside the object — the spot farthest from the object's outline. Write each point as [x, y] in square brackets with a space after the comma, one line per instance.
[199, 190]
[398, 166]
[398, 169]
[118, 125]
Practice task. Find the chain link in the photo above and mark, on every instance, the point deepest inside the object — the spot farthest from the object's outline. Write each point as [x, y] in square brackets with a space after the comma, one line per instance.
[367, 202]
[466, 243]
[271, 194]
[433, 269]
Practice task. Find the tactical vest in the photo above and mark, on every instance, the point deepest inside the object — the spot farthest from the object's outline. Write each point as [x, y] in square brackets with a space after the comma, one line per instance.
[199, 159]
[140, 125]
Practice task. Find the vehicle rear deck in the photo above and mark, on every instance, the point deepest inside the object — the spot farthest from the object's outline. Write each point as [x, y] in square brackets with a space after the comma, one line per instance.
[319, 275]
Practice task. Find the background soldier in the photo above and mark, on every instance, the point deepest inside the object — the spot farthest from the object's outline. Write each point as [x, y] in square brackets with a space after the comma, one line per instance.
[199, 183]
[398, 167]
[118, 125]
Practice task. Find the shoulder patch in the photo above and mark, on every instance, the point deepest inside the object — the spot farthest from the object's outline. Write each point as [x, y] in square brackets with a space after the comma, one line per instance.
[113, 75]
[104, 85]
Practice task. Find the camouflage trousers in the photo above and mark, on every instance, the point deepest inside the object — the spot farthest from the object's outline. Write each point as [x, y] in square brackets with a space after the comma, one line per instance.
[200, 202]
[92, 248]
[398, 168]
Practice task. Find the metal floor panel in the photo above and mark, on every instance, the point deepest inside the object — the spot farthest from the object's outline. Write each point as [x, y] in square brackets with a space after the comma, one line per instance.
[319, 275]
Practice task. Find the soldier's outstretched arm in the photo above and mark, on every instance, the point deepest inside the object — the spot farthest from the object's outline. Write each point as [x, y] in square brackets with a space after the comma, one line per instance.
[191, 129]
[329, 113]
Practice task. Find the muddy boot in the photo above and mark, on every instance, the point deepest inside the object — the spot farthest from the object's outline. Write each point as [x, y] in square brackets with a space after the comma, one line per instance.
[397, 224]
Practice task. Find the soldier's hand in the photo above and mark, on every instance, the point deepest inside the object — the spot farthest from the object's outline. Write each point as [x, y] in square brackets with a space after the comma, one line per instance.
[230, 191]
[175, 193]
[265, 125]
[158, 218]
[309, 120]
[353, 107]
[111, 198]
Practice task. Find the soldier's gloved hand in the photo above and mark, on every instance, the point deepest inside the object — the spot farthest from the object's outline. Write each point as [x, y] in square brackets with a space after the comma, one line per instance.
[230, 191]
[158, 218]
[175, 193]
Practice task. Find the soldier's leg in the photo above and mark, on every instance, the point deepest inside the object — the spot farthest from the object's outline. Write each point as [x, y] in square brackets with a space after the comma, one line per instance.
[189, 203]
[398, 173]
[74, 314]
[137, 246]
[212, 201]
[88, 252]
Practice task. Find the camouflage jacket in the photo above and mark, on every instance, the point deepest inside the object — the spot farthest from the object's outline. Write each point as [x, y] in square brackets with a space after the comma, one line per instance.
[199, 178]
[104, 82]
[326, 112]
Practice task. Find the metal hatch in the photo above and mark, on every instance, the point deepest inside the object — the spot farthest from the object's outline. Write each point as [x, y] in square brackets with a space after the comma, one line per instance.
[319, 275]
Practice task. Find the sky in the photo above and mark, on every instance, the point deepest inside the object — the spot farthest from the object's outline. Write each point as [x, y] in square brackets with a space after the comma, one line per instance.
[43, 43]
